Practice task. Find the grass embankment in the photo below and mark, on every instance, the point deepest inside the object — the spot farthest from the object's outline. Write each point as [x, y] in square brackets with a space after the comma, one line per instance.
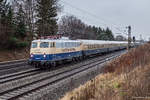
[125, 78]
[8, 55]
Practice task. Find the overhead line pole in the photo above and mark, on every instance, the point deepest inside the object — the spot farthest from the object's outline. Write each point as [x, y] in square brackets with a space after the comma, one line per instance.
[129, 37]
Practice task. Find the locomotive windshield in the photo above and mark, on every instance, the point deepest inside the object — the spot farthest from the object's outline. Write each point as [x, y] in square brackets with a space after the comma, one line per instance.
[34, 45]
[44, 45]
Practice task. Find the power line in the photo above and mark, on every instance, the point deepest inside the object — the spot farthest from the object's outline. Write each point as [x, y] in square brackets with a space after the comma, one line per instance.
[81, 10]
[80, 16]
[93, 15]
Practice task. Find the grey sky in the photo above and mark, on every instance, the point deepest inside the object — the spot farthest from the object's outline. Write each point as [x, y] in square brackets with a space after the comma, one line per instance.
[113, 13]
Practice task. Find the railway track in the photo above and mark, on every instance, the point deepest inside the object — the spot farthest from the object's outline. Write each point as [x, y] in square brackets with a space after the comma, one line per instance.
[13, 66]
[15, 70]
[12, 62]
[45, 79]
[32, 71]
[19, 75]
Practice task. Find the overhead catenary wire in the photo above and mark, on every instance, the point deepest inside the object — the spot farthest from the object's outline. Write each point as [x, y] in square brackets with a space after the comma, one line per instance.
[68, 13]
[94, 16]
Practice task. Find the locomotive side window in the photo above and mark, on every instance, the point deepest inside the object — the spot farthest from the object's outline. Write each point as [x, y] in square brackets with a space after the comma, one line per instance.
[44, 45]
[58, 45]
[34, 45]
[63, 45]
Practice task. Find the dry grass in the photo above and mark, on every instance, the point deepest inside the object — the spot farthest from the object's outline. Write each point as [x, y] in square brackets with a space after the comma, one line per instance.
[127, 78]
[127, 62]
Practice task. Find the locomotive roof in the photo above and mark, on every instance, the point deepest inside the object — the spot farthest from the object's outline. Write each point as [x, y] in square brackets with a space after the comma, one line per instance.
[47, 40]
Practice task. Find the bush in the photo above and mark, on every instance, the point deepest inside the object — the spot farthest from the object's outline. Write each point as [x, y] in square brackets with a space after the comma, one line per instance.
[22, 44]
[13, 43]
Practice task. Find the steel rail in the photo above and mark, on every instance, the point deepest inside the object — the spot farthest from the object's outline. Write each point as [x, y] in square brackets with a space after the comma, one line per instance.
[30, 87]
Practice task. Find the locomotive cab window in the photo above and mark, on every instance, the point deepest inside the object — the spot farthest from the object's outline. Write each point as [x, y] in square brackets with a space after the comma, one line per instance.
[44, 45]
[34, 45]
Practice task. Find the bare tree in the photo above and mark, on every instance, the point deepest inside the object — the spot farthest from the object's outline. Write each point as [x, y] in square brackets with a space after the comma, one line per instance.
[29, 9]
[75, 29]
[29, 6]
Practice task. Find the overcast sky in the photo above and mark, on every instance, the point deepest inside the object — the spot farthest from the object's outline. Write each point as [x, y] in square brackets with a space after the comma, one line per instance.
[112, 13]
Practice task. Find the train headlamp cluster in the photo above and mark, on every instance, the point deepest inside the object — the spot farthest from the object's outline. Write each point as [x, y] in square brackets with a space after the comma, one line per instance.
[44, 55]
[31, 55]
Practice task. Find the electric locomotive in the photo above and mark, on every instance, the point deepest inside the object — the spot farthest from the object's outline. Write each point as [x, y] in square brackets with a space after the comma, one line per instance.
[49, 52]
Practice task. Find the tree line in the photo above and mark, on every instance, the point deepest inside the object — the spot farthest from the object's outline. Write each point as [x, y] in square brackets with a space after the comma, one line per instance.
[76, 29]
[21, 20]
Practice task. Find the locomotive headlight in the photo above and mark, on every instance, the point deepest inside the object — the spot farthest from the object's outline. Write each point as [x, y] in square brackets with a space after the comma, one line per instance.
[31, 55]
[44, 55]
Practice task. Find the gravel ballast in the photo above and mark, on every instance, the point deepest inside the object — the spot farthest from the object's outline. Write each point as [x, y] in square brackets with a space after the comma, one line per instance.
[56, 91]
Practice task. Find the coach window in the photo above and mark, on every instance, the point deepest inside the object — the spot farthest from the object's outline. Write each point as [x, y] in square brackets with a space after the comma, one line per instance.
[70, 44]
[58, 45]
[44, 45]
[73, 44]
[67, 45]
[78, 44]
[62, 45]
